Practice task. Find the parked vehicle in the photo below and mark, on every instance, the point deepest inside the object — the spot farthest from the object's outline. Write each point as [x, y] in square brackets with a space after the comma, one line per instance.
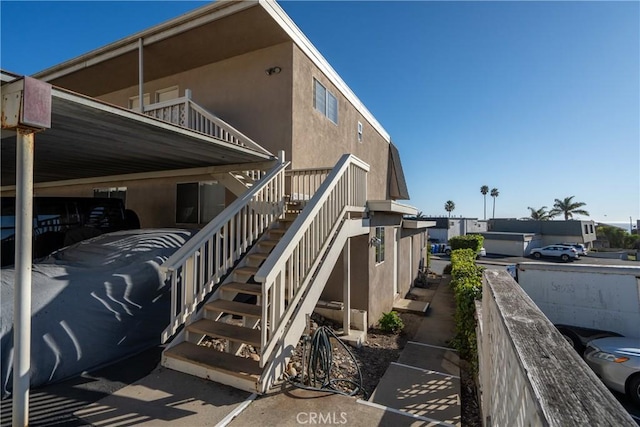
[565, 253]
[62, 221]
[617, 362]
[93, 303]
[447, 251]
[579, 337]
[579, 247]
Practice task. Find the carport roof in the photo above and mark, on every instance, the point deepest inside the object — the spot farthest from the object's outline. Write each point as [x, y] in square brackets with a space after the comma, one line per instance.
[90, 138]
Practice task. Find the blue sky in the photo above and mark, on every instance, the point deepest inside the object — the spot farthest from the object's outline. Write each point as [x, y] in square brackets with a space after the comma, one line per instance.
[538, 99]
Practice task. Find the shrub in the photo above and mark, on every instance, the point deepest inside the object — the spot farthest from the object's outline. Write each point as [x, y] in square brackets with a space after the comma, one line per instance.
[391, 322]
[470, 241]
[466, 280]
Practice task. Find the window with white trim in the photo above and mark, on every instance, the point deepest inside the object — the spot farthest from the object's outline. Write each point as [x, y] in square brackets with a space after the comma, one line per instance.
[134, 101]
[167, 94]
[359, 132]
[199, 202]
[325, 101]
[379, 244]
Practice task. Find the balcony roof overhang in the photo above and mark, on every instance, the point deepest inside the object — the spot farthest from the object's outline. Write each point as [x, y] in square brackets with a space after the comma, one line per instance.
[214, 32]
[89, 138]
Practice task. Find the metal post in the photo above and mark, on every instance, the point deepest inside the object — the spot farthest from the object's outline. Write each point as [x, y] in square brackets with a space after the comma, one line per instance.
[140, 75]
[346, 289]
[22, 290]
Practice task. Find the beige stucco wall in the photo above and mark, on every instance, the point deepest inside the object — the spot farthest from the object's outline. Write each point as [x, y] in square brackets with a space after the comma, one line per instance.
[154, 200]
[317, 141]
[239, 91]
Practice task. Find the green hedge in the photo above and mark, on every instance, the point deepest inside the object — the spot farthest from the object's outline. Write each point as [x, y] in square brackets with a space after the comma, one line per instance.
[470, 241]
[466, 280]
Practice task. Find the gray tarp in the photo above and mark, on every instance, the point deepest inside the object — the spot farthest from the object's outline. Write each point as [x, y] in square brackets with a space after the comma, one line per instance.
[93, 303]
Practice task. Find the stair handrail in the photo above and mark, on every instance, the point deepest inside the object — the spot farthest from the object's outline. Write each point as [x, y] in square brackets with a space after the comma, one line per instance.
[193, 116]
[290, 264]
[195, 268]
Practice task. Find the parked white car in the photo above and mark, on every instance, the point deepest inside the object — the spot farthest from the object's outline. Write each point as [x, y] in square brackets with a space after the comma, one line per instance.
[617, 362]
[579, 247]
[565, 253]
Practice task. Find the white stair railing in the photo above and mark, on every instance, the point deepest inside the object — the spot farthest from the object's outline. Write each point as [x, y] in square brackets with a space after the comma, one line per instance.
[305, 182]
[208, 256]
[186, 113]
[287, 273]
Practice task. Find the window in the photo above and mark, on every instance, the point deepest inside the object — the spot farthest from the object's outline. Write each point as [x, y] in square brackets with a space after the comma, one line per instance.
[325, 102]
[199, 202]
[167, 94]
[134, 101]
[591, 227]
[111, 193]
[379, 245]
[359, 132]
[586, 229]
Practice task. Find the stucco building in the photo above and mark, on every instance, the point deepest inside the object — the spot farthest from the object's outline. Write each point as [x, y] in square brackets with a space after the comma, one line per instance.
[189, 118]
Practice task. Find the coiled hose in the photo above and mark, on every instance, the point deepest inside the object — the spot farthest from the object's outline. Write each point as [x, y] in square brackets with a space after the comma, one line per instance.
[319, 363]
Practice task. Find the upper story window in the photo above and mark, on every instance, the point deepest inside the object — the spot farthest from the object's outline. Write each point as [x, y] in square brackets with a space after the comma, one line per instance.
[167, 94]
[134, 101]
[359, 132]
[325, 102]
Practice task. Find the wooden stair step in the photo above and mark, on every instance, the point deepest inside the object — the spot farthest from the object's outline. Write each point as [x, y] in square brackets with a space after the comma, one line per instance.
[268, 242]
[226, 331]
[250, 271]
[243, 288]
[209, 358]
[233, 307]
[261, 256]
[278, 231]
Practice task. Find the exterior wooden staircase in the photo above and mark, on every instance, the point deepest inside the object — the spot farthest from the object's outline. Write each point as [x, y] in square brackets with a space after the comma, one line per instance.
[238, 314]
[231, 318]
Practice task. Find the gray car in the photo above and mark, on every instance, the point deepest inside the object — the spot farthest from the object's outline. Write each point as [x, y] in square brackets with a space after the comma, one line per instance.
[617, 362]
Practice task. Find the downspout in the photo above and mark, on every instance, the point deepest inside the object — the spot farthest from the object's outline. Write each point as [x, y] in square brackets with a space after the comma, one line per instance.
[140, 74]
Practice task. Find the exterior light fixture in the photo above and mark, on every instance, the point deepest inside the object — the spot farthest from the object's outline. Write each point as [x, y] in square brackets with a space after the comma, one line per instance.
[273, 70]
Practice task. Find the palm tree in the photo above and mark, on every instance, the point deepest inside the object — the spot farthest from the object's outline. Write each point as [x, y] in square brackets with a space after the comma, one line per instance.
[449, 207]
[568, 207]
[541, 214]
[484, 190]
[494, 194]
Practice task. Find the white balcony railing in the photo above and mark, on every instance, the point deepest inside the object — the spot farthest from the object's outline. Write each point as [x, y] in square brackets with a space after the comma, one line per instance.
[287, 273]
[186, 113]
[208, 256]
[304, 182]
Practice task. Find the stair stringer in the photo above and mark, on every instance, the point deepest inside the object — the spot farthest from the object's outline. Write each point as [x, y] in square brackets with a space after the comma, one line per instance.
[274, 369]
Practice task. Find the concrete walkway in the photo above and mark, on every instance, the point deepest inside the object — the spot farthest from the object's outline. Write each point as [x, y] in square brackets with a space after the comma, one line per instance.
[425, 381]
[420, 389]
